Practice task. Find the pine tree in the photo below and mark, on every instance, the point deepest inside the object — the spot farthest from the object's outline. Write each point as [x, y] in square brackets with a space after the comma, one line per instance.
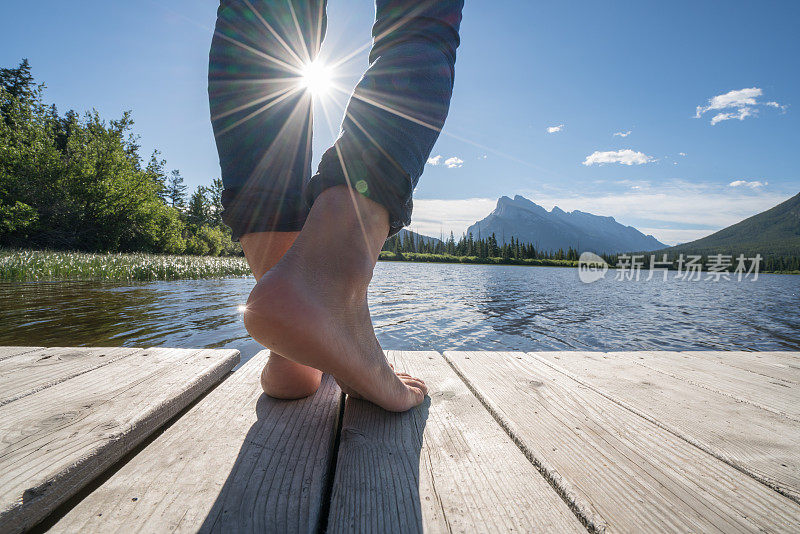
[493, 251]
[155, 171]
[176, 191]
[197, 212]
[215, 201]
[20, 86]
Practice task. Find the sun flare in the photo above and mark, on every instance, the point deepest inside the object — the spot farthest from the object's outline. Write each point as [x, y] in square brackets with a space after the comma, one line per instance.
[316, 78]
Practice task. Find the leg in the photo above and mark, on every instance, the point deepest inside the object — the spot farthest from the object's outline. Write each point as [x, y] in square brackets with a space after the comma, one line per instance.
[280, 378]
[312, 306]
[262, 126]
[398, 108]
[260, 112]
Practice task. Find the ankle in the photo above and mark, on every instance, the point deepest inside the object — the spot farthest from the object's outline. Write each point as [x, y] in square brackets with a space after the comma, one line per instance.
[349, 210]
[349, 230]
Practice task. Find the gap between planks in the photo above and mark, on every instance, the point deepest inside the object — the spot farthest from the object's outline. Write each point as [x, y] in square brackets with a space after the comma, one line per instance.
[236, 461]
[443, 466]
[784, 437]
[687, 481]
[583, 511]
[9, 352]
[727, 380]
[75, 429]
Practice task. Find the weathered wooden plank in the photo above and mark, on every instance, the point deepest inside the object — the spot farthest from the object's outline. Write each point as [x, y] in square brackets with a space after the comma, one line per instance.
[35, 370]
[776, 395]
[781, 366]
[758, 442]
[620, 470]
[8, 352]
[237, 461]
[55, 441]
[445, 466]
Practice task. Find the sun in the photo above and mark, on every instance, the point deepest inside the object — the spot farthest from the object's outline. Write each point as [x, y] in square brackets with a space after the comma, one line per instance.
[315, 77]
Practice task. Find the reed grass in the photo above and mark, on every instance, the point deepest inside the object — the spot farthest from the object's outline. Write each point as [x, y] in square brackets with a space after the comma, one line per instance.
[35, 265]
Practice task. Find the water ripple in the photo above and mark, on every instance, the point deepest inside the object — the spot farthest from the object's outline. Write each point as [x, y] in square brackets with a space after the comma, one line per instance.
[428, 306]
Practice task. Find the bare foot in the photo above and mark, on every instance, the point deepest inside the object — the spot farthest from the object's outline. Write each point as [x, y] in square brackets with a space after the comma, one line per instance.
[285, 379]
[280, 378]
[312, 306]
[405, 377]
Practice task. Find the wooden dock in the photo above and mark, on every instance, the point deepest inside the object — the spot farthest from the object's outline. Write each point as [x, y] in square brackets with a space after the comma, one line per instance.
[153, 440]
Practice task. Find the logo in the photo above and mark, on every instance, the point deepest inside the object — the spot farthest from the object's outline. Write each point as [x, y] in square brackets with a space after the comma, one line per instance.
[591, 267]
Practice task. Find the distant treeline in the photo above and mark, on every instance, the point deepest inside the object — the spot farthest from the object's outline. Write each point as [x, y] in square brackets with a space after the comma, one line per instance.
[781, 264]
[447, 258]
[772, 263]
[70, 182]
[470, 246]
[413, 247]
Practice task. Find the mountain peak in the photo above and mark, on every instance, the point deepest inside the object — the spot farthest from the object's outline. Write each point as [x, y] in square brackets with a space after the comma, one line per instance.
[556, 229]
[522, 201]
[518, 202]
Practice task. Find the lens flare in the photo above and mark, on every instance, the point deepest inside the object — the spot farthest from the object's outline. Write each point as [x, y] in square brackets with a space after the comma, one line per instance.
[316, 78]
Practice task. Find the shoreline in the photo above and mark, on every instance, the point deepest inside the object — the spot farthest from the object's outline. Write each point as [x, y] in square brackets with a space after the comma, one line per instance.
[416, 257]
[419, 257]
[53, 266]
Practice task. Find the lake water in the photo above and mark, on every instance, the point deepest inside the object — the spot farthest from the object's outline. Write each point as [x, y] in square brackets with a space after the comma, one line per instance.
[420, 306]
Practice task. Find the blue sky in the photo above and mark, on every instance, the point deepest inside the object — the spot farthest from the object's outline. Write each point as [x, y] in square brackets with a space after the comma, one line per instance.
[586, 69]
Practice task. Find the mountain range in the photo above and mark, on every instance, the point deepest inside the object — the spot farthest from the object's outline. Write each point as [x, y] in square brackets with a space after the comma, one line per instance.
[773, 232]
[556, 229]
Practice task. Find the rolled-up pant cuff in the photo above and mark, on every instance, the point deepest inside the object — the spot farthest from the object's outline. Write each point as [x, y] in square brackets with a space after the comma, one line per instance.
[373, 177]
[248, 212]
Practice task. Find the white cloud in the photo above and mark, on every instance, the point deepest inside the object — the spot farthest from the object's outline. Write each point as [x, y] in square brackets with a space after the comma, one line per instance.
[554, 129]
[434, 216]
[624, 157]
[742, 114]
[674, 236]
[623, 134]
[744, 183]
[731, 99]
[454, 162]
[776, 105]
[450, 163]
[682, 154]
[741, 103]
